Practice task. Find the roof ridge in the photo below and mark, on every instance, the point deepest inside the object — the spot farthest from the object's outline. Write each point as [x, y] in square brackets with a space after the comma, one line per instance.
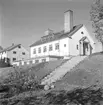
[59, 35]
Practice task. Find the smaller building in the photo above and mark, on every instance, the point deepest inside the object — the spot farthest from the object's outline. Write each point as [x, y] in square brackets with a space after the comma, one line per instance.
[14, 53]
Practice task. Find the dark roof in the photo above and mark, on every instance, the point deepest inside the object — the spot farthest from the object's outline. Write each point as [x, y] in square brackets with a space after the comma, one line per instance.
[58, 35]
[10, 48]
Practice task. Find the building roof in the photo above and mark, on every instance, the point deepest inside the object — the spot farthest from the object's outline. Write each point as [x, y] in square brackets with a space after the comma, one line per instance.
[10, 48]
[57, 36]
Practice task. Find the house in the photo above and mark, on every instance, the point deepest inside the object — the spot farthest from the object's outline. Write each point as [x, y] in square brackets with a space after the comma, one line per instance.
[14, 53]
[72, 41]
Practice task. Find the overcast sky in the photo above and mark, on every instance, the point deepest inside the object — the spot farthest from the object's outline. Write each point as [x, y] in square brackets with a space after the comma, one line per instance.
[25, 21]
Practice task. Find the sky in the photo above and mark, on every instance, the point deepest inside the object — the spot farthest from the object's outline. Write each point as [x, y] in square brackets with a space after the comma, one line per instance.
[25, 21]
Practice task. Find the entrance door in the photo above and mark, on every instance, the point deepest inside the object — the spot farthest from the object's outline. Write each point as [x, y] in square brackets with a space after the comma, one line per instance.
[85, 48]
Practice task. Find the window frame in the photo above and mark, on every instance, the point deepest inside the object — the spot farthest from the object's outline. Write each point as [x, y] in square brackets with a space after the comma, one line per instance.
[14, 59]
[50, 47]
[44, 49]
[77, 47]
[14, 52]
[39, 50]
[23, 53]
[34, 51]
[57, 46]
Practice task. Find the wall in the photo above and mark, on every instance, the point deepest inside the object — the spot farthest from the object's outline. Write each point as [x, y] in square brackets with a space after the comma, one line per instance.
[75, 41]
[61, 52]
[18, 55]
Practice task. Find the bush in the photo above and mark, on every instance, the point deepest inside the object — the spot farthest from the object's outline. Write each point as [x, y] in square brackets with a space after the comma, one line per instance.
[85, 96]
[18, 82]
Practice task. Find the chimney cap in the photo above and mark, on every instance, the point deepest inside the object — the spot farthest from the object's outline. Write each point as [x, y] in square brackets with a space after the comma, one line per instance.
[68, 11]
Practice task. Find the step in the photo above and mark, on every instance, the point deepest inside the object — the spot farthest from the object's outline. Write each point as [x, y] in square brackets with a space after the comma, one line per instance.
[62, 70]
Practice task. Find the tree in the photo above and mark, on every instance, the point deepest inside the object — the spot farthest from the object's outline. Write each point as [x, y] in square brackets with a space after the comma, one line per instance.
[96, 14]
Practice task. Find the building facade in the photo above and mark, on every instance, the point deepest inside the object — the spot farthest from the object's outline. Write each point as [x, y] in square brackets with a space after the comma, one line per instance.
[14, 53]
[72, 41]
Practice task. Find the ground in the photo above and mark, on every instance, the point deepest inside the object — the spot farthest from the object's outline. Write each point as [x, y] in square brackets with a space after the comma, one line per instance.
[88, 72]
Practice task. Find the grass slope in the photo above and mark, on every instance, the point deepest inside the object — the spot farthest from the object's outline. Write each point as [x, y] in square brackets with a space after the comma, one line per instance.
[40, 70]
[86, 73]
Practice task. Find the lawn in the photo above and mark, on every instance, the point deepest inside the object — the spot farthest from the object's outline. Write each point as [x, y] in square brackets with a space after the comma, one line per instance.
[86, 73]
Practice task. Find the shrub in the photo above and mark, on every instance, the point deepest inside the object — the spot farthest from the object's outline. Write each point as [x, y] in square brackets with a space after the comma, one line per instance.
[20, 81]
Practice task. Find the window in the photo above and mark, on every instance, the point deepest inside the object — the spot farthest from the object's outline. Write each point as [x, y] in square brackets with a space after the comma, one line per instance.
[77, 47]
[44, 49]
[82, 32]
[39, 50]
[34, 52]
[14, 59]
[64, 45]
[19, 46]
[57, 46]
[14, 52]
[50, 47]
[36, 61]
[23, 53]
[43, 60]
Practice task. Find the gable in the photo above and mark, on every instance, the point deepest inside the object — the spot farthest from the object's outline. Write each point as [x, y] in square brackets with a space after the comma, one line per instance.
[10, 48]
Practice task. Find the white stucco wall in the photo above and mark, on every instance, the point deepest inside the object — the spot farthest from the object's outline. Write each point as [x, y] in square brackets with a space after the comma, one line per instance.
[75, 41]
[61, 52]
[64, 50]
[71, 45]
[18, 55]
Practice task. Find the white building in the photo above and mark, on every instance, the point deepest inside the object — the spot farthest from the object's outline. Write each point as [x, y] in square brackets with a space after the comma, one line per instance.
[14, 53]
[73, 40]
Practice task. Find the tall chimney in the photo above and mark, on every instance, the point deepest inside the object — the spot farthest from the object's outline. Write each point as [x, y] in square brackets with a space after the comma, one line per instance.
[68, 20]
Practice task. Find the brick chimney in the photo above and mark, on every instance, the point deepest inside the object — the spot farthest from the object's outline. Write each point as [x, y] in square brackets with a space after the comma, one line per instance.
[68, 20]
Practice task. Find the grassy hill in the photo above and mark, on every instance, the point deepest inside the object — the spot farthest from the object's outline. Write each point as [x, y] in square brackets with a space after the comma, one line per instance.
[39, 70]
[20, 87]
[88, 72]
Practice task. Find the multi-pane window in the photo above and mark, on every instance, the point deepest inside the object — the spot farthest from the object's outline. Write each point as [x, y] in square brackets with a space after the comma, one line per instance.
[64, 45]
[34, 51]
[14, 52]
[39, 50]
[23, 53]
[44, 49]
[57, 46]
[77, 47]
[14, 59]
[50, 47]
